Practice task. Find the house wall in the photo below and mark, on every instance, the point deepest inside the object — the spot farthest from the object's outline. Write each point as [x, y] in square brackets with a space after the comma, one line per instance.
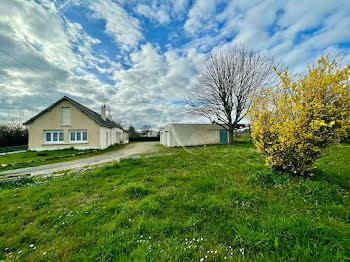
[52, 120]
[115, 136]
[190, 135]
[124, 138]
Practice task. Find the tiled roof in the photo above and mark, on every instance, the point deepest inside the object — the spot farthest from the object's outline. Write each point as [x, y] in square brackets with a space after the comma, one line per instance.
[92, 114]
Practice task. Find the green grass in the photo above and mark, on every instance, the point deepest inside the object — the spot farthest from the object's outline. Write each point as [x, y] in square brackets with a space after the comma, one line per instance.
[35, 158]
[178, 207]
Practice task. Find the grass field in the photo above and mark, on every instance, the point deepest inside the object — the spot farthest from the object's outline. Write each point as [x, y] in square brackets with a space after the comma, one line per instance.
[33, 158]
[215, 203]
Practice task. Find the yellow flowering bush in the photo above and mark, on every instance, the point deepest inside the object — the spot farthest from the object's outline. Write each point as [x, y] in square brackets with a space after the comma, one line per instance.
[298, 119]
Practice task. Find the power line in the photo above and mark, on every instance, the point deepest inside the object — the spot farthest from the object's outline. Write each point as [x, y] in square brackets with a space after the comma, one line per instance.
[29, 67]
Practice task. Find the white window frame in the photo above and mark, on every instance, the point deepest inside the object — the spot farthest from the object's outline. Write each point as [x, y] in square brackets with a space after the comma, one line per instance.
[52, 132]
[75, 141]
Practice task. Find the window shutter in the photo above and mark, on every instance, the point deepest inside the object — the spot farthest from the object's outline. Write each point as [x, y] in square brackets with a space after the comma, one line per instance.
[66, 116]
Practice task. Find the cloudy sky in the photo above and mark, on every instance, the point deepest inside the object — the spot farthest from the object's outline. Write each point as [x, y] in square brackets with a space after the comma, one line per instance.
[140, 57]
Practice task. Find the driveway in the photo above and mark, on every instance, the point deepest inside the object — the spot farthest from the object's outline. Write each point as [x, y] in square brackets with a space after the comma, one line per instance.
[127, 151]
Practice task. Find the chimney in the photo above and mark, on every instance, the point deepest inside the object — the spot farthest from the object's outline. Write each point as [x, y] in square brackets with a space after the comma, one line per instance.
[109, 113]
[103, 112]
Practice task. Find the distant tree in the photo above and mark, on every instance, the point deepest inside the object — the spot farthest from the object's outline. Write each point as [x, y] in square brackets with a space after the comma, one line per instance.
[145, 130]
[13, 132]
[225, 82]
[17, 117]
[120, 124]
[132, 132]
[159, 130]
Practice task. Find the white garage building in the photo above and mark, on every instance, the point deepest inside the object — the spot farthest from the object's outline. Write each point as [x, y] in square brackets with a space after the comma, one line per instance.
[193, 135]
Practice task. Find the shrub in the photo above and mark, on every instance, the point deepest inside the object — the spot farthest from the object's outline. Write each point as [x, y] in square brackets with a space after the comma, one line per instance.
[302, 116]
[346, 137]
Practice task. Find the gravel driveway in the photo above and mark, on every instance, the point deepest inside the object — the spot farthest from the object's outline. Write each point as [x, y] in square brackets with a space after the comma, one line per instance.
[129, 150]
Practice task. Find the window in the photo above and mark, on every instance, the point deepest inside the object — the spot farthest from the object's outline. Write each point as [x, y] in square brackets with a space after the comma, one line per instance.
[66, 116]
[60, 136]
[78, 136]
[72, 136]
[53, 136]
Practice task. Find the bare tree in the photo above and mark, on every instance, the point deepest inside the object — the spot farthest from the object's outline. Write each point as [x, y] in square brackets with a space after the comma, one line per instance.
[120, 124]
[225, 82]
[17, 117]
[145, 130]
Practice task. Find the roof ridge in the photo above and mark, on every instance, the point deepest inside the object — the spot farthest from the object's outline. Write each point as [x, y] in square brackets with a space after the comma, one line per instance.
[72, 100]
[87, 111]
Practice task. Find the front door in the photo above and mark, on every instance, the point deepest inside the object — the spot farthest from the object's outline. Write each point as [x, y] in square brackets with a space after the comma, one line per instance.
[223, 136]
[167, 138]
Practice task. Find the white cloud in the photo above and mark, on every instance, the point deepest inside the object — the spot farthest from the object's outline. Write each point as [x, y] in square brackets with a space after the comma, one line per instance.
[180, 6]
[125, 28]
[149, 77]
[155, 13]
[274, 26]
[200, 17]
[153, 83]
[42, 40]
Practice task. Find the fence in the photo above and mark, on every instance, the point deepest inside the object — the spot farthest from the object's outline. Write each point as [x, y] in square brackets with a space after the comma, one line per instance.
[8, 149]
[139, 139]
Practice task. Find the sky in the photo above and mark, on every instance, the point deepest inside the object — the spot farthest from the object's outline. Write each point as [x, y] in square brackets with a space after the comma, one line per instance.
[141, 57]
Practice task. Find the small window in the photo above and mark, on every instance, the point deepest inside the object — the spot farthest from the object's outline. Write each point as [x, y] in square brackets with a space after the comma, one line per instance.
[72, 136]
[54, 137]
[48, 137]
[78, 136]
[85, 136]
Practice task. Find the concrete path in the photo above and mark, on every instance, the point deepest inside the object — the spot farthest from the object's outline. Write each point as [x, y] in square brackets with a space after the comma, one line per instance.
[13, 152]
[129, 150]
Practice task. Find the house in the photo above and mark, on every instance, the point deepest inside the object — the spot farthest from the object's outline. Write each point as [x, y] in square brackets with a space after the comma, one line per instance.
[174, 135]
[150, 133]
[67, 123]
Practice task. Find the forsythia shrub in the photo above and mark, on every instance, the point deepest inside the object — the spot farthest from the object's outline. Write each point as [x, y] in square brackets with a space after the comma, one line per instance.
[298, 119]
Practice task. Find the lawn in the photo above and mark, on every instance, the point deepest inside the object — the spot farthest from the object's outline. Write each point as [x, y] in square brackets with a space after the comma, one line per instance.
[215, 203]
[34, 158]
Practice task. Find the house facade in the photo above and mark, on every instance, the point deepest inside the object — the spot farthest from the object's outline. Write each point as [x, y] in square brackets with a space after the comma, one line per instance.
[193, 135]
[150, 133]
[67, 123]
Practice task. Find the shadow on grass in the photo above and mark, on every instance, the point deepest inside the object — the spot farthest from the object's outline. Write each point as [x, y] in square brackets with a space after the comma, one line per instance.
[332, 178]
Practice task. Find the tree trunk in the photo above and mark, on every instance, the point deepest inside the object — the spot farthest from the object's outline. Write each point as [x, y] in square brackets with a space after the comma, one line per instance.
[231, 134]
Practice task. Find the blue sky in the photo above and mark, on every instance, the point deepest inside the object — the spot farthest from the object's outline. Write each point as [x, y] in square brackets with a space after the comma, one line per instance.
[140, 57]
